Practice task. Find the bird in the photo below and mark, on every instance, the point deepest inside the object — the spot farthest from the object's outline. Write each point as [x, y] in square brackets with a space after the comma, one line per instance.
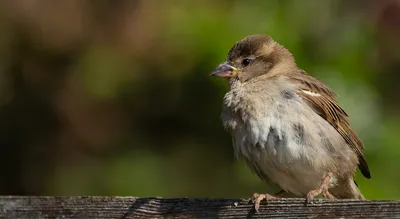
[287, 125]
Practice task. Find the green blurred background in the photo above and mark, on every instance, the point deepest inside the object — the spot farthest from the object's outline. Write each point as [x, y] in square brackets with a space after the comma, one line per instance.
[105, 97]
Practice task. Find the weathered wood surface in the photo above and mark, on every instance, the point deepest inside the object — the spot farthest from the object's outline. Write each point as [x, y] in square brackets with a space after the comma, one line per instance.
[132, 207]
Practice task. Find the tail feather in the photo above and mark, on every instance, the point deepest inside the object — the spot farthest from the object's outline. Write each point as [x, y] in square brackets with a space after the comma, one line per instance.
[347, 190]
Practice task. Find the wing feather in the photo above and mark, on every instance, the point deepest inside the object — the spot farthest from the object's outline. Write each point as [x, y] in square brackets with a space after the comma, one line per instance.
[324, 103]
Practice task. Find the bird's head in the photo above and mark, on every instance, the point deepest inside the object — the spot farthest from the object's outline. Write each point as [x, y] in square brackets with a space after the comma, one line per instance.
[254, 56]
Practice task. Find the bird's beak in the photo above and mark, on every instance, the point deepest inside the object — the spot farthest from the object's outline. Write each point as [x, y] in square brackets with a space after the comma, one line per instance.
[225, 71]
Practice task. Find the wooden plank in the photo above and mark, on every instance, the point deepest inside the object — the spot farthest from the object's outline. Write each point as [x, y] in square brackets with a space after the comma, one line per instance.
[133, 207]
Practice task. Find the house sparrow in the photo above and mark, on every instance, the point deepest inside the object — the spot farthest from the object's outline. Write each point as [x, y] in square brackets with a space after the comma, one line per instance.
[287, 125]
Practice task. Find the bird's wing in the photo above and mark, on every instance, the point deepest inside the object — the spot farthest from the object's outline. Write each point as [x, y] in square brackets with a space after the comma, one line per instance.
[322, 100]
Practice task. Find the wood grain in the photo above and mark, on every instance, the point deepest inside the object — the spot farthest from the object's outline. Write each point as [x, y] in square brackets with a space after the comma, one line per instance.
[133, 207]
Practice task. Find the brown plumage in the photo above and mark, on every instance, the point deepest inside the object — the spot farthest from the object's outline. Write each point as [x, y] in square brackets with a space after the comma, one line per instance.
[327, 107]
[287, 125]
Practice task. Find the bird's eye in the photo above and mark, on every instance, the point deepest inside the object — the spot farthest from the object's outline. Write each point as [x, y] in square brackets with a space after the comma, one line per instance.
[246, 62]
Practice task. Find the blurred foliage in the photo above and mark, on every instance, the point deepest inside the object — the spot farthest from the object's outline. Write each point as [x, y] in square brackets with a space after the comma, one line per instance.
[113, 97]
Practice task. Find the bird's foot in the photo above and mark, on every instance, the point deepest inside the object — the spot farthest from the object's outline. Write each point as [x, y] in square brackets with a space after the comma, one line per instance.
[257, 198]
[322, 189]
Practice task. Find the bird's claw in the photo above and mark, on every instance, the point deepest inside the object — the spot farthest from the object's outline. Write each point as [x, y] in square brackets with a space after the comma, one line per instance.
[321, 190]
[257, 198]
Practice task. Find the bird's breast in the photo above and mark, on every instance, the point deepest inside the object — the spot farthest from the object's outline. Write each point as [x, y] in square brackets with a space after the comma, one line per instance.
[259, 122]
[277, 126]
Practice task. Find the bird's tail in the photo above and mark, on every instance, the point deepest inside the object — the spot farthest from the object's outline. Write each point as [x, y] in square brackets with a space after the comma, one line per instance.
[347, 190]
